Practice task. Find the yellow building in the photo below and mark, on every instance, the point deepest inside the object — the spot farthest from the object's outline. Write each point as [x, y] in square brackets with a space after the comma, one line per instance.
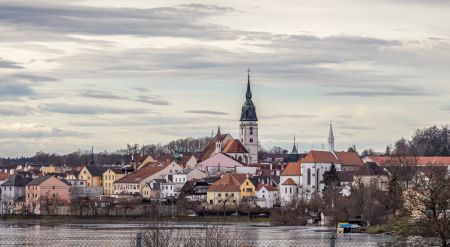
[109, 177]
[51, 169]
[247, 189]
[93, 175]
[230, 189]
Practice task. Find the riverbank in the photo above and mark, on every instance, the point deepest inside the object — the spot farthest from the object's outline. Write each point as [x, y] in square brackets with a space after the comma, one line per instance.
[35, 219]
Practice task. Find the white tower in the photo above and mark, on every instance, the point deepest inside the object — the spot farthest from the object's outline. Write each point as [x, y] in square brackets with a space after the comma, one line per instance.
[331, 139]
[248, 132]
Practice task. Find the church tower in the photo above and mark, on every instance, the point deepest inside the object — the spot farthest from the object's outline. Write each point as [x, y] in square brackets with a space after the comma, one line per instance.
[248, 132]
[331, 139]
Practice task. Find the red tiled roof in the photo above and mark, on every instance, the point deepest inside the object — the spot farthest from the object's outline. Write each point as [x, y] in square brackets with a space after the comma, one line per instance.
[268, 187]
[289, 181]
[410, 160]
[4, 176]
[319, 157]
[228, 183]
[141, 174]
[234, 146]
[211, 147]
[292, 169]
[349, 159]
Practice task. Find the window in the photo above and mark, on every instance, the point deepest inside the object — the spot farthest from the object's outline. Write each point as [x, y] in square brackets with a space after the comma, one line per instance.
[232, 194]
[53, 187]
[219, 195]
[249, 190]
[226, 194]
[246, 183]
[210, 201]
[309, 176]
[251, 140]
[290, 190]
[251, 130]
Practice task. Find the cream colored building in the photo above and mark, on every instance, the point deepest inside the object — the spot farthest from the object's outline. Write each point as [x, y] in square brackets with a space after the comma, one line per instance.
[109, 177]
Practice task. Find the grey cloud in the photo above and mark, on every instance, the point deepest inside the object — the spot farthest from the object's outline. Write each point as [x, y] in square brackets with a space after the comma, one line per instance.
[8, 91]
[98, 94]
[18, 130]
[207, 112]
[389, 90]
[90, 109]
[9, 64]
[34, 78]
[180, 21]
[101, 94]
[15, 110]
[152, 100]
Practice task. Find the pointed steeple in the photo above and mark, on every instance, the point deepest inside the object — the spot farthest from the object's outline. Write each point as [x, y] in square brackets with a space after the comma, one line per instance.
[331, 139]
[248, 94]
[294, 148]
[92, 161]
[248, 112]
[218, 130]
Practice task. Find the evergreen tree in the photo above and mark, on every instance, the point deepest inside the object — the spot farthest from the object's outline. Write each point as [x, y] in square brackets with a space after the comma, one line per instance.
[332, 186]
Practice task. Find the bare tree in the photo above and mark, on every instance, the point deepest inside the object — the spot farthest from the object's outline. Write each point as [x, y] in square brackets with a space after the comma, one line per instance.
[429, 201]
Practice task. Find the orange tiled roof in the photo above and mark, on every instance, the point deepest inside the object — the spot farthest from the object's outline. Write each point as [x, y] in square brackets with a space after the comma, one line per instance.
[268, 187]
[141, 174]
[410, 160]
[234, 146]
[289, 181]
[4, 176]
[319, 157]
[292, 169]
[349, 159]
[228, 183]
[211, 147]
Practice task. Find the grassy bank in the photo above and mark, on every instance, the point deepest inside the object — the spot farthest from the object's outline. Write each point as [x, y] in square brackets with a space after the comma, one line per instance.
[397, 226]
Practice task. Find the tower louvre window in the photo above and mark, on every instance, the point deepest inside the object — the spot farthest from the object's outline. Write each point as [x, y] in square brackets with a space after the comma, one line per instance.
[251, 130]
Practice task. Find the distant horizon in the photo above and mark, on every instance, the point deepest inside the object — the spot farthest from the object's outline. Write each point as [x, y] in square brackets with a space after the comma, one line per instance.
[107, 73]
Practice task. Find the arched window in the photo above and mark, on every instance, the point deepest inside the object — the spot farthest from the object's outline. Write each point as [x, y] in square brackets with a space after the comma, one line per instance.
[309, 176]
[240, 158]
[251, 130]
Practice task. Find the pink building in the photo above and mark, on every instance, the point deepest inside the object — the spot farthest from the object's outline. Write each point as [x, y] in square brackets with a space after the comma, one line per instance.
[219, 163]
[44, 195]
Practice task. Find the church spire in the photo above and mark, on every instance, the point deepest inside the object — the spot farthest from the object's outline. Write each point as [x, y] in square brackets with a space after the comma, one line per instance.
[248, 95]
[248, 109]
[294, 148]
[331, 139]
[218, 130]
[92, 161]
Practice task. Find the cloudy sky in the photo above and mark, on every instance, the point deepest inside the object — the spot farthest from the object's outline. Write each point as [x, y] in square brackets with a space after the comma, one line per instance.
[106, 73]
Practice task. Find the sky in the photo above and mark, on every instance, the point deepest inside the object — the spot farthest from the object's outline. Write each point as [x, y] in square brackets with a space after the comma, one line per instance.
[103, 73]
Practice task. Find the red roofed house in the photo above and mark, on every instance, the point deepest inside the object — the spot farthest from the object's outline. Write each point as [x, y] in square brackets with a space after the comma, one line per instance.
[230, 189]
[289, 191]
[134, 183]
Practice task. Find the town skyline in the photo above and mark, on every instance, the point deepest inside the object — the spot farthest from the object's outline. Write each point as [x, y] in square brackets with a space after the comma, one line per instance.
[179, 70]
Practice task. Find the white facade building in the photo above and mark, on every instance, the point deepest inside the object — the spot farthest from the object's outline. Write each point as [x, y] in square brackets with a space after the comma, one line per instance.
[267, 196]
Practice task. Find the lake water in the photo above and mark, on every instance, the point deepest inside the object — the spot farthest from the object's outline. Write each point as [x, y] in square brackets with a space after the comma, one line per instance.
[122, 234]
